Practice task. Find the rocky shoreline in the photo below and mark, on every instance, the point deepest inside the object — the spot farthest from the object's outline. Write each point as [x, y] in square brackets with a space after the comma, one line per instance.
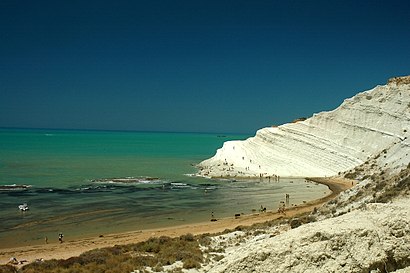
[354, 232]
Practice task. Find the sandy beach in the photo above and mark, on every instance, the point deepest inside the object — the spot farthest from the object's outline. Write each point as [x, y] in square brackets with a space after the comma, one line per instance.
[72, 248]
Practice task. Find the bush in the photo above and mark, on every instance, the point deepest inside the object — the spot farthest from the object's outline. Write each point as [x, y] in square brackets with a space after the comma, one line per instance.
[204, 240]
[8, 269]
[152, 245]
[188, 237]
[351, 175]
[191, 263]
[295, 222]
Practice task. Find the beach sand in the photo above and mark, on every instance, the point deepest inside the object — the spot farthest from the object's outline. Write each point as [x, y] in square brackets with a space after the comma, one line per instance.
[72, 248]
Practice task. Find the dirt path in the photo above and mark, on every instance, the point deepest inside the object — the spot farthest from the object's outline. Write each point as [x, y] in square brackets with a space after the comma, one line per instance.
[76, 247]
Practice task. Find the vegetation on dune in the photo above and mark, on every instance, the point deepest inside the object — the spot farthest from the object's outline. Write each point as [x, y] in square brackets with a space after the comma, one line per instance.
[7, 269]
[154, 253]
[381, 180]
[398, 185]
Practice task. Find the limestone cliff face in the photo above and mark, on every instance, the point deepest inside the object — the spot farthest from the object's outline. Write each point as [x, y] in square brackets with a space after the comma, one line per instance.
[362, 127]
[374, 239]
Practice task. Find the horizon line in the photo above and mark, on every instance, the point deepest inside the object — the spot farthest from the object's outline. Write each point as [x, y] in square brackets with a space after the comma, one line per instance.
[121, 130]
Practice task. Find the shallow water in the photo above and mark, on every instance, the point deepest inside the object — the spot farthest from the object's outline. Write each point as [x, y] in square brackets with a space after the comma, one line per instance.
[72, 189]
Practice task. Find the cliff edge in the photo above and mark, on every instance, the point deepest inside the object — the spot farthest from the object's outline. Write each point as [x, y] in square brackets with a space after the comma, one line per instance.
[326, 144]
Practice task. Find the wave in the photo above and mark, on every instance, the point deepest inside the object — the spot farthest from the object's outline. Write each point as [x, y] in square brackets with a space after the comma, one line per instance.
[180, 185]
[14, 187]
[129, 180]
[113, 185]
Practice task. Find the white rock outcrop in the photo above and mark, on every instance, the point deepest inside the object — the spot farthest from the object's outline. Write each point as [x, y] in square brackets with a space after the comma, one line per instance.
[327, 143]
[375, 239]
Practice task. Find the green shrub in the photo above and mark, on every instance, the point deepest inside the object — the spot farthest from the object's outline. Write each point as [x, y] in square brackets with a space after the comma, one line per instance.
[8, 269]
[351, 175]
[188, 237]
[191, 263]
[204, 240]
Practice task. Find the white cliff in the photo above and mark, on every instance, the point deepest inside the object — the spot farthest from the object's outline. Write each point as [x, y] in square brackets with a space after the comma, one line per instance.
[374, 239]
[366, 228]
[328, 142]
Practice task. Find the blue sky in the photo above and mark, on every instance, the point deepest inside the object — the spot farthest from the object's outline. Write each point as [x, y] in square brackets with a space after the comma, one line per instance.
[199, 66]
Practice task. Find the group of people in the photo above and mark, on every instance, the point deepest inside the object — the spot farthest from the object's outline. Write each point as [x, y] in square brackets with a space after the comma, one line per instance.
[60, 238]
[281, 209]
[282, 205]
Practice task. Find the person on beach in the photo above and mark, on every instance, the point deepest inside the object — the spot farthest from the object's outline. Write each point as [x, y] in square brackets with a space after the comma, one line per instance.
[13, 261]
[213, 219]
[60, 237]
[46, 239]
[281, 208]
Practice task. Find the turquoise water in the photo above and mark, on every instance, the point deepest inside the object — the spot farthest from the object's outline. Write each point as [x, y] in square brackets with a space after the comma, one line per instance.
[66, 158]
[72, 175]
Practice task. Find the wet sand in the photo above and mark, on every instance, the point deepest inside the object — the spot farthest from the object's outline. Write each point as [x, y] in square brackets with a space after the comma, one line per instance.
[72, 248]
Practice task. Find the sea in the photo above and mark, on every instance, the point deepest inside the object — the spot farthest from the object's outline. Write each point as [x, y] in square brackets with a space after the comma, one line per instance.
[90, 183]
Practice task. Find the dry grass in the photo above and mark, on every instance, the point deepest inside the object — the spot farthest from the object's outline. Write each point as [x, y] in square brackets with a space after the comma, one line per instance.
[387, 190]
[154, 253]
[7, 269]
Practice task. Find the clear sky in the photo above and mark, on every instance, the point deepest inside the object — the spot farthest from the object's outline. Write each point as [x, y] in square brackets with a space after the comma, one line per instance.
[198, 66]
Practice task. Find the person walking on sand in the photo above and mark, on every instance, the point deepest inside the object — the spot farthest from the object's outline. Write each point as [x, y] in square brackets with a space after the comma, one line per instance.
[13, 261]
[60, 237]
[46, 239]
